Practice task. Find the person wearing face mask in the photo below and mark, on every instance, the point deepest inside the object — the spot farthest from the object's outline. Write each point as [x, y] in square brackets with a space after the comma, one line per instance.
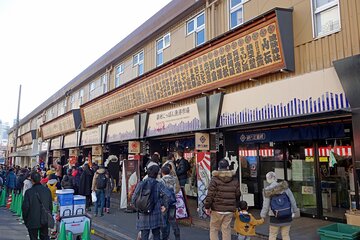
[279, 203]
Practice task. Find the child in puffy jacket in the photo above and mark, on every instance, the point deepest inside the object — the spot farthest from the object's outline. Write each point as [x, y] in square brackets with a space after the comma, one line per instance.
[245, 222]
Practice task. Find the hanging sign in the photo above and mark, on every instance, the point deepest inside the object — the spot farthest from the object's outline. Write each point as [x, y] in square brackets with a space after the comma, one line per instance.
[134, 147]
[96, 150]
[202, 141]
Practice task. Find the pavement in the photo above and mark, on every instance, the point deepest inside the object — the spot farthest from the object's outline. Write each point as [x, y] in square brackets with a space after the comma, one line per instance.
[12, 229]
[121, 225]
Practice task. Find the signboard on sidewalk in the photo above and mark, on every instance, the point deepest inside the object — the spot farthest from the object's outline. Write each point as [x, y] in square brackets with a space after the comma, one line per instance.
[132, 175]
[203, 179]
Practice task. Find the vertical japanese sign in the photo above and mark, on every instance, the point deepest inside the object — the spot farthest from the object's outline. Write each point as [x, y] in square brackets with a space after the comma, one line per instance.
[132, 175]
[203, 179]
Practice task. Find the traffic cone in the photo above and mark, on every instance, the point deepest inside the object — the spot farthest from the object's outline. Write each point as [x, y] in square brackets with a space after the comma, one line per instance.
[13, 203]
[3, 198]
[62, 233]
[9, 201]
[69, 236]
[19, 208]
[86, 233]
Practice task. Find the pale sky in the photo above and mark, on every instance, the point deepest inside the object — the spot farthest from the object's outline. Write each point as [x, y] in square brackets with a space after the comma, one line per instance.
[44, 44]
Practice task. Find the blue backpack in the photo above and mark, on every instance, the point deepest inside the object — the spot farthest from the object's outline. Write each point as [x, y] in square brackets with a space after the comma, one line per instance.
[281, 206]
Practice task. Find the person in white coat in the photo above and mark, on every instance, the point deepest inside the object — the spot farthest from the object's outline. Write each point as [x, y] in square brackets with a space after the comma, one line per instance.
[27, 183]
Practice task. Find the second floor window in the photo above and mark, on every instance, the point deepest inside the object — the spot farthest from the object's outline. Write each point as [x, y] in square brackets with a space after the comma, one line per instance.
[236, 13]
[118, 71]
[138, 61]
[161, 44]
[72, 101]
[326, 17]
[104, 83]
[196, 25]
[81, 96]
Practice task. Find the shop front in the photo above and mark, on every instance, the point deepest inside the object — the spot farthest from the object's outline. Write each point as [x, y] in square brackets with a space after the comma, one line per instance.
[303, 135]
[91, 145]
[56, 154]
[118, 135]
[59, 130]
[71, 148]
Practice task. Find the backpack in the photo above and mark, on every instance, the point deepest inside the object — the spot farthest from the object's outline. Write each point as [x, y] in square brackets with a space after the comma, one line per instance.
[101, 181]
[52, 188]
[281, 206]
[144, 201]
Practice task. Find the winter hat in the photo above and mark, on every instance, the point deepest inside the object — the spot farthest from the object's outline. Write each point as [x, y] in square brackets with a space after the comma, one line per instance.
[271, 177]
[223, 165]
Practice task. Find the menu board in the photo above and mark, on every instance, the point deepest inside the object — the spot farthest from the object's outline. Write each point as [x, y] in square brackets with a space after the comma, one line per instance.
[247, 54]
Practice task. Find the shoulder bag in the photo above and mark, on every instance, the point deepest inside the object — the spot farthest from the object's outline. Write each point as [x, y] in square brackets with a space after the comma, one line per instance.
[46, 217]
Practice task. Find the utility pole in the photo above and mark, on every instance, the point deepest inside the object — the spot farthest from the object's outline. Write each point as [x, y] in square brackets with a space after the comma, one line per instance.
[17, 122]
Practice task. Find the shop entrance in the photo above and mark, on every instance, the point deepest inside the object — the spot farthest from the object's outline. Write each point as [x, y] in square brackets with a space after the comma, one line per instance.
[319, 174]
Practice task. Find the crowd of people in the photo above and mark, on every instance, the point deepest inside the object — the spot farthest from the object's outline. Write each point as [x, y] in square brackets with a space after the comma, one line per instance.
[154, 197]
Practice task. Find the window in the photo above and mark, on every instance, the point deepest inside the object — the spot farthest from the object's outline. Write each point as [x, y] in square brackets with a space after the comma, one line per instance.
[138, 61]
[92, 86]
[197, 25]
[81, 96]
[236, 13]
[72, 101]
[326, 17]
[161, 44]
[118, 71]
[104, 83]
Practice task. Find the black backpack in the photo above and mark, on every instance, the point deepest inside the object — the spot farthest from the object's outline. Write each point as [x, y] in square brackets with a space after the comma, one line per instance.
[101, 181]
[144, 201]
[281, 206]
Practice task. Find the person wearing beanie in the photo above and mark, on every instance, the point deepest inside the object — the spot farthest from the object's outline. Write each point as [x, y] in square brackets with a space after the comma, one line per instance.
[274, 191]
[222, 199]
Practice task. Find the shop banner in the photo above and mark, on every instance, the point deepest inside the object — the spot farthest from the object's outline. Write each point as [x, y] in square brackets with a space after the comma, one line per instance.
[203, 180]
[44, 146]
[202, 141]
[132, 173]
[56, 143]
[310, 93]
[181, 119]
[70, 140]
[91, 136]
[335, 130]
[121, 130]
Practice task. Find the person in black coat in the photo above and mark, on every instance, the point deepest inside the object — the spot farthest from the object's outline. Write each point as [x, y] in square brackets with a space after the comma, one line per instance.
[31, 208]
[86, 184]
[182, 167]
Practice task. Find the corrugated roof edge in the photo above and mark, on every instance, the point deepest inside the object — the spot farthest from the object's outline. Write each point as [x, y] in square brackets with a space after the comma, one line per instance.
[163, 18]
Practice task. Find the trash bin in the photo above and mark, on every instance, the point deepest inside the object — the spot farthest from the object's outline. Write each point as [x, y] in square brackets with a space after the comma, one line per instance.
[339, 231]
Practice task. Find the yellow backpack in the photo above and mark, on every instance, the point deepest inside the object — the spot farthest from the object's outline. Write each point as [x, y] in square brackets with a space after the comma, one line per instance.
[53, 189]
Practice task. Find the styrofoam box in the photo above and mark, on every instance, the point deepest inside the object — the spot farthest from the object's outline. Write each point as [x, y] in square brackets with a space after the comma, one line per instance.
[75, 224]
[66, 210]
